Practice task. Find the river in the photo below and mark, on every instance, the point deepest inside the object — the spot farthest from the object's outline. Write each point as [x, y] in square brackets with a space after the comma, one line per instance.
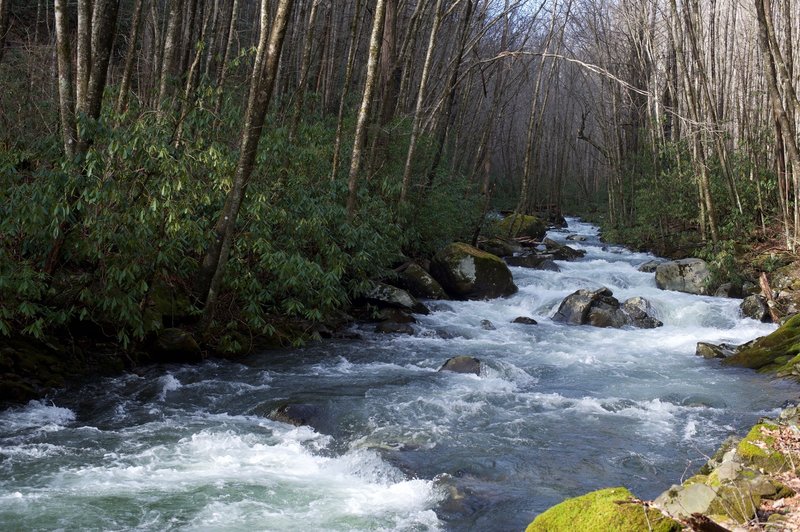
[558, 410]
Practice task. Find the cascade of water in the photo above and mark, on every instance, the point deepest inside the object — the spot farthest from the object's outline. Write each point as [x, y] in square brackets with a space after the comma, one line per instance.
[558, 410]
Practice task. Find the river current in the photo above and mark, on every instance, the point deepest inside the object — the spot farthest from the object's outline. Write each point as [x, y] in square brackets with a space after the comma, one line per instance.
[558, 411]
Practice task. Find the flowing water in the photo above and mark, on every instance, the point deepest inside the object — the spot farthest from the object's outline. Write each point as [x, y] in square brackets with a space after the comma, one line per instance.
[559, 410]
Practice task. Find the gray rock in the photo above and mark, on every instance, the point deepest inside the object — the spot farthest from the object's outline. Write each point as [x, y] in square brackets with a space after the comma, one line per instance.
[387, 296]
[577, 238]
[466, 272]
[640, 312]
[534, 261]
[574, 310]
[755, 307]
[729, 290]
[562, 252]
[683, 501]
[524, 320]
[296, 414]
[487, 325]
[649, 266]
[502, 247]
[686, 275]
[462, 364]
[420, 283]
[709, 351]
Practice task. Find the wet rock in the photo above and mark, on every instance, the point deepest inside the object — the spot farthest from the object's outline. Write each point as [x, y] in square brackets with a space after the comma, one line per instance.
[600, 308]
[729, 290]
[462, 364]
[755, 307]
[392, 327]
[607, 509]
[640, 312]
[502, 247]
[534, 261]
[297, 414]
[685, 275]
[709, 350]
[649, 266]
[419, 283]
[776, 352]
[466, 272]
[524, 320]
[562, 252]
[387, 296]
[520, 225]
[176, 345]
[395, 315]
[487, 325]
[577, 238]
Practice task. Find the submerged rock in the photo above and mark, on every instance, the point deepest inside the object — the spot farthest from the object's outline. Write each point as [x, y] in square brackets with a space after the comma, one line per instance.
[387, 296]
[611, 509]
[466, 272]
[685, 275]
[296, 414]
[462, 364]
[419, 283]
[524, 320]
[577, 238]
[600, 308]
[649, 266]
[393, 327]
[176, 345]
[487, 325]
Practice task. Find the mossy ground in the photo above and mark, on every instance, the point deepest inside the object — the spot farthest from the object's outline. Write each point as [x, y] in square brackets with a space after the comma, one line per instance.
[784, 342]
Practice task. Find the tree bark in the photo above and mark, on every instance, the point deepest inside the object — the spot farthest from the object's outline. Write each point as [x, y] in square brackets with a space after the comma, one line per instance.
[366, 100]
[5, 12]
[261, 89]
[170, 49]
[66, 97]
[305, 66]
[130, 57]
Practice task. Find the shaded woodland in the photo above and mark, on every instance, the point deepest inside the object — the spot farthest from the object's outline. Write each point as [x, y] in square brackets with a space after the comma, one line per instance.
[252, 164]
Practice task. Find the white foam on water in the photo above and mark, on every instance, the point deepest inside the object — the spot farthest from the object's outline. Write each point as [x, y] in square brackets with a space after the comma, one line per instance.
[36, 415]
[168, 384]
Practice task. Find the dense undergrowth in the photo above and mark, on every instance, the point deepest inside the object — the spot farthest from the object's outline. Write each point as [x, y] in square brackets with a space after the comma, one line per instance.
[138, 210]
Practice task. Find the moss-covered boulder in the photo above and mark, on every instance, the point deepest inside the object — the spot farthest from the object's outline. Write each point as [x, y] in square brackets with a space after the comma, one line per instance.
[420, 283]
[466, 272]
[758, 449]
[776, 349]
[605, 510]
[521, 225]
[502, 247]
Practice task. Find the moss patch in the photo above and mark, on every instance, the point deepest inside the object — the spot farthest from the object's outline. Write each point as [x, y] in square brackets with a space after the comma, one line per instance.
[783, 342]
[517, 225]
[602, 511]
[758, 449]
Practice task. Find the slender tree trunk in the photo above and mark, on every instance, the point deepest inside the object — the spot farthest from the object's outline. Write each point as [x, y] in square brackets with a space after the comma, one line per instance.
[170, 49]
[421, 94]
[348, 76]
[223, 73]
[5, 12]
[66, 95]
[366, 100]
[261, 89]
[304, 69]
[130, 57]
[84, 53]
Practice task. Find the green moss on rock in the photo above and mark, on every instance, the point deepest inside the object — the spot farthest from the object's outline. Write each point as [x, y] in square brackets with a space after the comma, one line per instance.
[466, 272]
[783, 342]
[758, 449]
[606, 510]
[517, 225]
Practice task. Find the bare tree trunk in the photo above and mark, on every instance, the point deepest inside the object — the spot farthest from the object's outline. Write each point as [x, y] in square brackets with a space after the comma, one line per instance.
[65, 92]
[84, 53]
[348, 76]
[5, 11]
[223, 73]
[130, 56]
[304, 68]
[421, 94]
[170, 49]
[261, 89]
[104, 24]
[366, 100]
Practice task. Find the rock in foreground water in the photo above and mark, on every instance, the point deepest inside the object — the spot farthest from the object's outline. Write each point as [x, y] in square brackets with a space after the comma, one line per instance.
[600, 308]
[462, 364]
[685, 275]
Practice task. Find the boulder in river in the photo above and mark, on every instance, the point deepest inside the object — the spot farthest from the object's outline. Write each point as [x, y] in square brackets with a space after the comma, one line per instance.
[685, 275]
[755, 307]
[729, 290]
[534, 261]
[601, 309]
[487, 325]
[649, 266]
[419, 283]
[462, 364]
[607, 509]
[387, 296]
[709, 350]
[466, 272]
[176, 345]
[502, 247]
[521, 225]
[562, 252]
[525, 320]
[777, 352]
[296, 414]
[578, 238]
